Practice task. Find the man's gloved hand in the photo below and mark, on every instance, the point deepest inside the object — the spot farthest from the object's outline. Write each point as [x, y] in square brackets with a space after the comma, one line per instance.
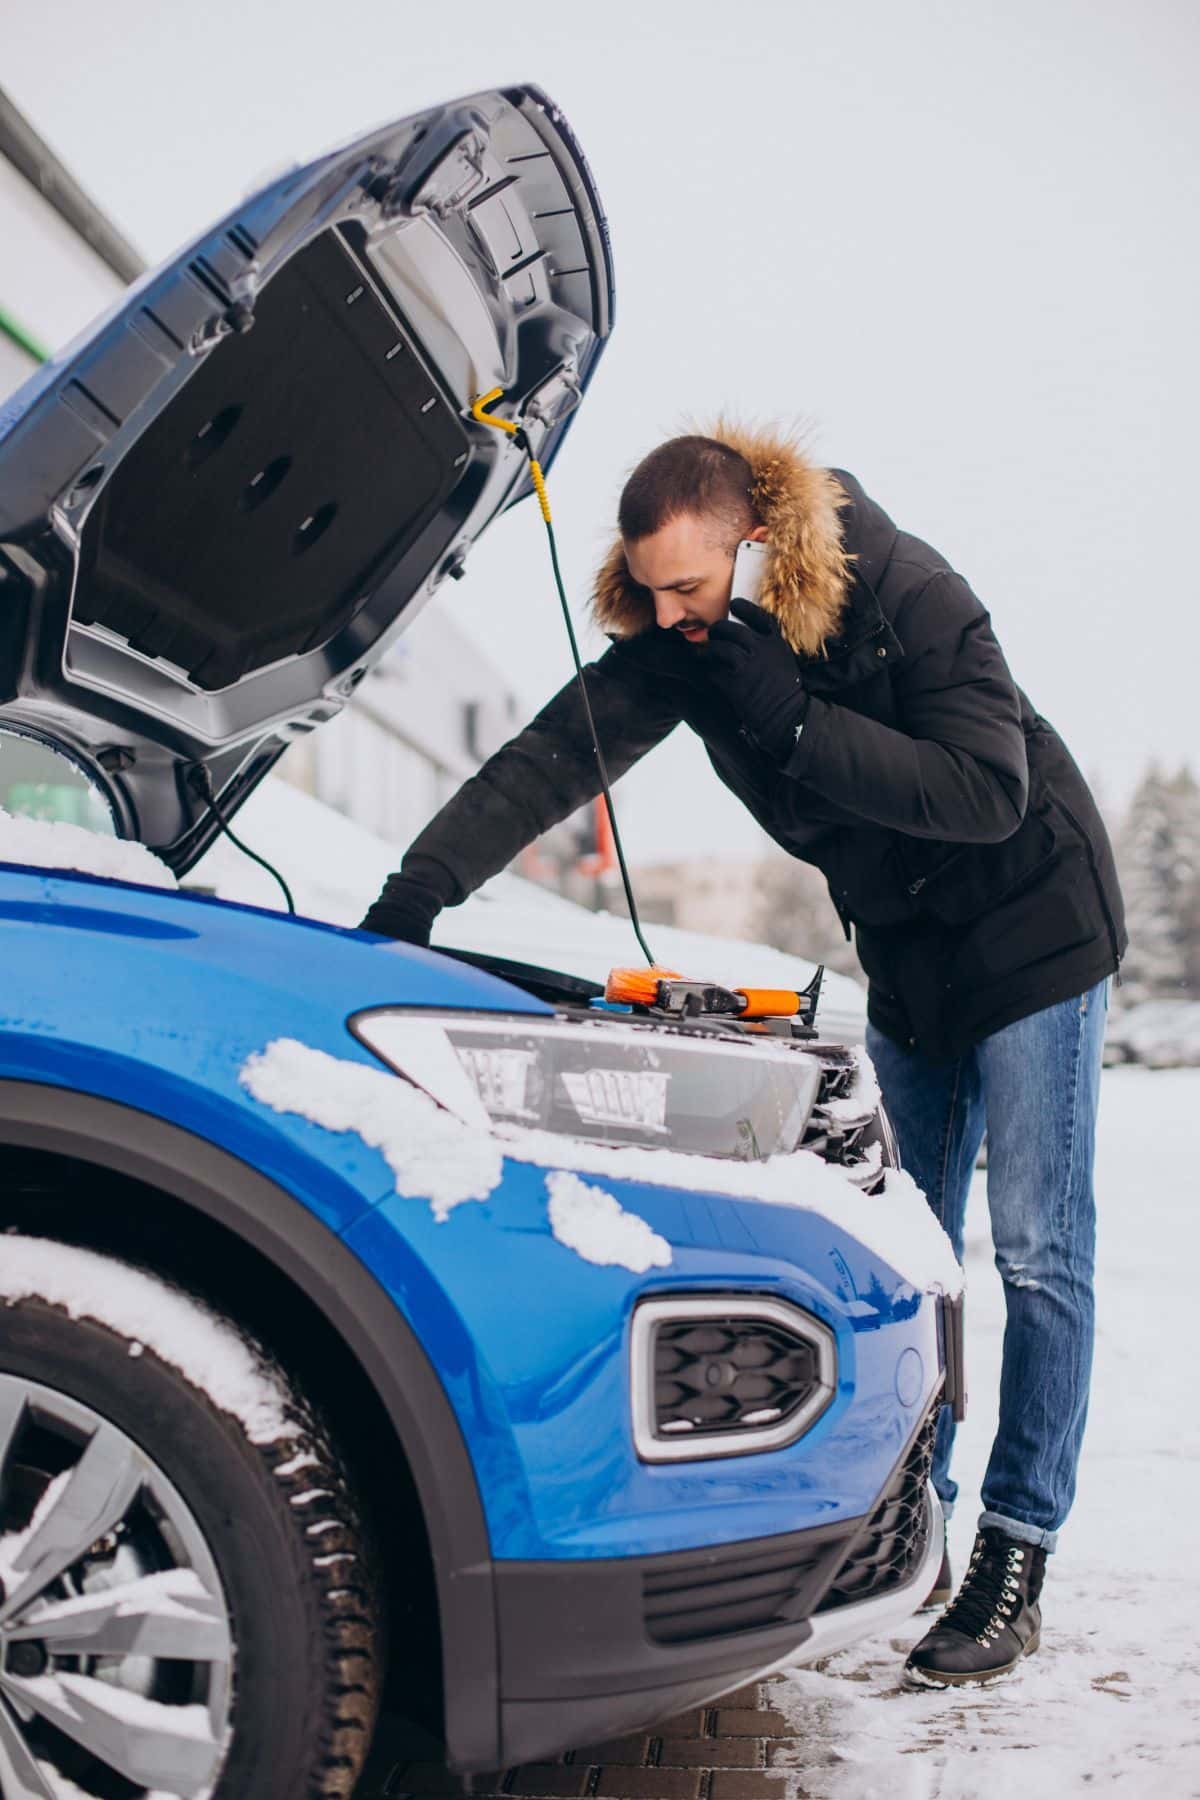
[759, 673]
[411, 900]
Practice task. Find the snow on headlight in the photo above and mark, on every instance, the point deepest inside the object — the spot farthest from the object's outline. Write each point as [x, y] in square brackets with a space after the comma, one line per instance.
[437, 1156]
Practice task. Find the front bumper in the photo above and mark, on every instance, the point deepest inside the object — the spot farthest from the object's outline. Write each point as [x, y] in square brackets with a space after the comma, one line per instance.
[883, 1612]
[590, 1650]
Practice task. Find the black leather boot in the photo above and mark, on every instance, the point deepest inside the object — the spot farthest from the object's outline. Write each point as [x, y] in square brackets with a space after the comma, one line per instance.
[994, 1620]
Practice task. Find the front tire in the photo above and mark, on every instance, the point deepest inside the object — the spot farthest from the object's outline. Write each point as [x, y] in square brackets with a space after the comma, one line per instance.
[188, 1604]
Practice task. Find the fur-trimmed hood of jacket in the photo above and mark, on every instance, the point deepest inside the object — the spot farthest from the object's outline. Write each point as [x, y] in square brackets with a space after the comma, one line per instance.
[808, 573]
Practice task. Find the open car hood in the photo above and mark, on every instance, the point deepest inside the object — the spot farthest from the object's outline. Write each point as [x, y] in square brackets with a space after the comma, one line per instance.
[223, 503]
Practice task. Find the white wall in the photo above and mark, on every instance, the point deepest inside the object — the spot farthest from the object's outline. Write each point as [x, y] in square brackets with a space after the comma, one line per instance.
[51, 283]
[419, 725]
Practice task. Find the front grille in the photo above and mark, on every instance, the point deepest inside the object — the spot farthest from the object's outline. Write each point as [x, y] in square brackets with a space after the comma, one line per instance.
[842, 1129]
[720, 1374]
[722, 1591]
[893, 1544]
[726, 1375]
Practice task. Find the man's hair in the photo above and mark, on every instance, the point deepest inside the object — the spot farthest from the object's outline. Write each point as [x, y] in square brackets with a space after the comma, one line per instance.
[688, 475]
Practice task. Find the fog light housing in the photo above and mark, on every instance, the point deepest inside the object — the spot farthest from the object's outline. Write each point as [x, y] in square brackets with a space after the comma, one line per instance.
[726, 1375]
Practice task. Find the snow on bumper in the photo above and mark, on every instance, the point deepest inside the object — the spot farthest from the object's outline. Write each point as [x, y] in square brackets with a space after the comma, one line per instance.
[439, 1158]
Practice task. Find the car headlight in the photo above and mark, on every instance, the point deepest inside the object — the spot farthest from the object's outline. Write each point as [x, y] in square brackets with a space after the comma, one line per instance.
[613, 1083]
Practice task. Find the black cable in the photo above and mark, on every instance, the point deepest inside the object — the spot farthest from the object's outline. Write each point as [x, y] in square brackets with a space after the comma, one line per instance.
[600, 763]
[200, 781]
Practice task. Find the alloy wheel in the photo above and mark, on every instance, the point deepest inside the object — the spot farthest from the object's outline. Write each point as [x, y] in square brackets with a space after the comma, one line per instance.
[116, 1645]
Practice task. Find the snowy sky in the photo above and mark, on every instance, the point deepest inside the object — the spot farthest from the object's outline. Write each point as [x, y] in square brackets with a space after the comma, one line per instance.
[958, 240]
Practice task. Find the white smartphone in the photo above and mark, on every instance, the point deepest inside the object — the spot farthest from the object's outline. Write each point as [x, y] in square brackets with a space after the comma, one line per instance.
[749, 568]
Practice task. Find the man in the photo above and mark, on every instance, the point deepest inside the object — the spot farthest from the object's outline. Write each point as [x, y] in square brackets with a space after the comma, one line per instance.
[866, 716]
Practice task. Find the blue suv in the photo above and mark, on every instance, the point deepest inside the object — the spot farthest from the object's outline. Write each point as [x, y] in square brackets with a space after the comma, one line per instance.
[382, 1327]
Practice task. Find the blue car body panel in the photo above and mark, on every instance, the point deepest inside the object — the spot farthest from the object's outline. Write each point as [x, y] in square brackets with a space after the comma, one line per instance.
[155, 999]
[533, 1346]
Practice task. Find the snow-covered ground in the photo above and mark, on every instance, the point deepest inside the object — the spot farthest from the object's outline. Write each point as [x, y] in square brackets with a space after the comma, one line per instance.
[1111, 1704]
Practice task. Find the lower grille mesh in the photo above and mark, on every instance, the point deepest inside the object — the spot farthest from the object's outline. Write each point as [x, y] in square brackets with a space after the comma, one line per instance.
[894, 1542]
[721, 1374]
[726, 1592]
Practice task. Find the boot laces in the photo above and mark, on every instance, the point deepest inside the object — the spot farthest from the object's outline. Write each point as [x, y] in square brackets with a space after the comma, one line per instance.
[991, 1591]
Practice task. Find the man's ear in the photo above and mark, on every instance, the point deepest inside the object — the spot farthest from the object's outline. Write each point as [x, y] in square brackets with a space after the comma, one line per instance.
[758, 535]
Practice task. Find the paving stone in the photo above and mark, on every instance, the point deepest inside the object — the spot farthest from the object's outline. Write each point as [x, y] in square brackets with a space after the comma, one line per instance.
[429, 1778]
[617, 1750]
[687, 1724]
[492, 1791]
[399, 1790]
[750, 1695]
[746, 1784]
[649, 1784]
[712, 1753]
[552, 1779]
[743, 1722]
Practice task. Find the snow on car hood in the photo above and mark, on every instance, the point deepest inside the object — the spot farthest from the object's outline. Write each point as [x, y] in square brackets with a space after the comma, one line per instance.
[436, 1157]
[222, 503]
[48, 844]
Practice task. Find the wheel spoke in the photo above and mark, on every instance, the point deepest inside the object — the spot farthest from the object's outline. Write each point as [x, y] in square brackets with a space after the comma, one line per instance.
[169, 1614]
[153, 1745]
[20, 1777]
[12, 1410]
[94, 1498]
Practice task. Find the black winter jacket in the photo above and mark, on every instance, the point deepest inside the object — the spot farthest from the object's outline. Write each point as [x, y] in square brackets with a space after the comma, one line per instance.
[957, 836]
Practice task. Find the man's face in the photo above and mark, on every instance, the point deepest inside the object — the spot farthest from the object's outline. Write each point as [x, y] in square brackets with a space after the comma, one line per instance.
[687, 565]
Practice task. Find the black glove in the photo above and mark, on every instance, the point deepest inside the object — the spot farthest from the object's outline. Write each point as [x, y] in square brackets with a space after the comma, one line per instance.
[759, 673]
[411, 900]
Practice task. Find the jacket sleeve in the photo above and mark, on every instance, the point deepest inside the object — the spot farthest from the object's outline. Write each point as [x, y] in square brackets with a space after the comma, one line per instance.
[541, 775]
[956, 767]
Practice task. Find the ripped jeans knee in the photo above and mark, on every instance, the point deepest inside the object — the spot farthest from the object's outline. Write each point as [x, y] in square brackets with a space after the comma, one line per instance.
[1018, 1274]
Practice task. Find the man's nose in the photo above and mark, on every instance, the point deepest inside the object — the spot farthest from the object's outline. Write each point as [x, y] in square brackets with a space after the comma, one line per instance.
[668, 610]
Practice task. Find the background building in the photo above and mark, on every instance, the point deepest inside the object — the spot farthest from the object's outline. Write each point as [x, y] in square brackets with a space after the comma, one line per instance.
[63, 260]
[420, 724]
[768, 899]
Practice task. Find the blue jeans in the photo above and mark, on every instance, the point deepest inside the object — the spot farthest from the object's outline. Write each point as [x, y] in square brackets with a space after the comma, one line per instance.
[1035, 1087]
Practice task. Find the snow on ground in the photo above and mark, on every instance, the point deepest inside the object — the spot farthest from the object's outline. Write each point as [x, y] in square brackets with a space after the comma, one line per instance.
[1111, 1703]
[593, 1223]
